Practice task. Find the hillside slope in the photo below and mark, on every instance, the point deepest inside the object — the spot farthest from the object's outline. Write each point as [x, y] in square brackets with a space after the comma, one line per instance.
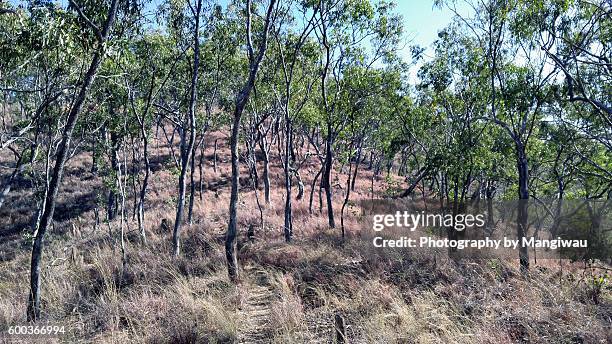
[289, 293]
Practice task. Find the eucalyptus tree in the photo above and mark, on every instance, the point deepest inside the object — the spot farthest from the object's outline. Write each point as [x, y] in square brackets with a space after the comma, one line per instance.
[518, 117]
[117, 130]
[458, 144]
[255, 55]
[266, 114]
[109, 113]
[343, 28]
[37, 51]
[97, 19]
[148, 65]
[374, 96]
[263, 110]
[292, 102]
[555, 175]
[519, 90]
[218, 56]
[576, 37]
[209, 58]
[187, 147]
[370, 96]
[525, 92]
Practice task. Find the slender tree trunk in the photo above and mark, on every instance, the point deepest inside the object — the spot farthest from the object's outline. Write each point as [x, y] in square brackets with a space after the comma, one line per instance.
[320, 192]
[348, 193]
[144, 186]
[186, 152]
[144, 136]
[420, 175]
[357, 162]
[230, 238]
[134, 180]
[192, 188]
[94, 156]
[20, 166]
[180, 205]
[201, 172]
[9, 183]
[112, 205]
[288, 229]
[326, 181]
[253, 170]
[522, 214]
[372, 187]
[266, 168]
[253, 164]
[33, 310]
[241, 100]
[559, 207]
[295, 170]
[490, 218]
[312, 188]
[122, 185]
[170, 142]
[451, 231]
[300, 184]
[215, 157]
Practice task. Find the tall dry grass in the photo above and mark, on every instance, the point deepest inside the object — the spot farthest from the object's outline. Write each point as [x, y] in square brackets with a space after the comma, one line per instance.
[384, 297]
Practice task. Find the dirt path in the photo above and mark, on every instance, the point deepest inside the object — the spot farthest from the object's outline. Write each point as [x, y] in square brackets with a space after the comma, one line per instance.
[257, 309]
[256, 312]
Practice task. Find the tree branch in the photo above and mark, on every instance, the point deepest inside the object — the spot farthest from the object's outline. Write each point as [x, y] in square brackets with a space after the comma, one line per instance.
[91, 24]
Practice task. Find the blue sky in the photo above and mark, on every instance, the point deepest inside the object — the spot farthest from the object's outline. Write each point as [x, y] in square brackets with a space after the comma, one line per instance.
[422, 21]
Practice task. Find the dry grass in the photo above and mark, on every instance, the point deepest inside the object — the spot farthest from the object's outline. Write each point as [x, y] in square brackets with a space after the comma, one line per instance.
[388, 297]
